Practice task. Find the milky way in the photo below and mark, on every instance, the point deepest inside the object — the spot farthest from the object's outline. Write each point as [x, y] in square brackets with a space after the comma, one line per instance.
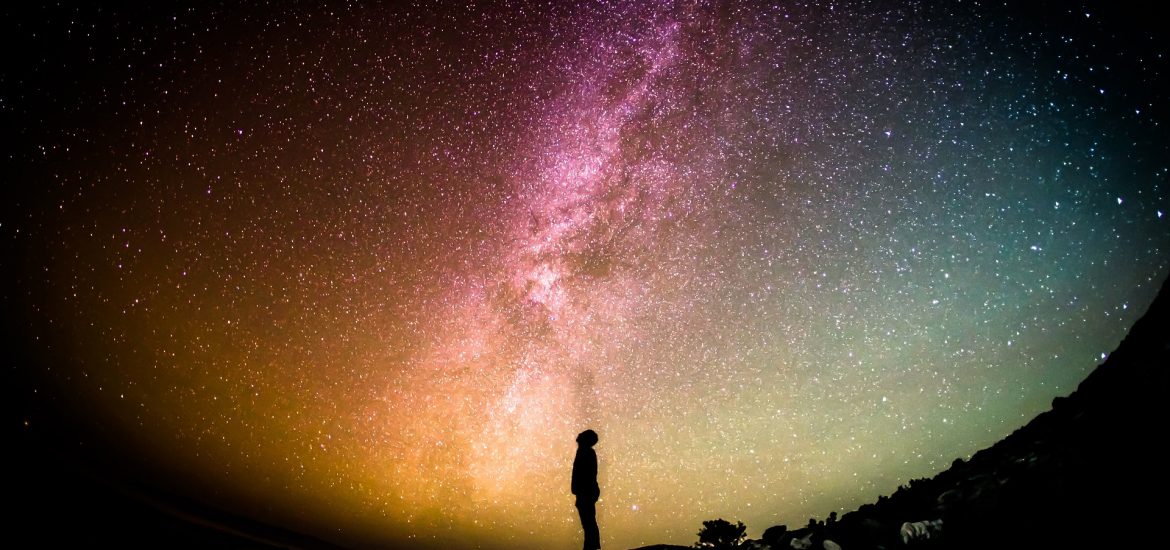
[366, 272]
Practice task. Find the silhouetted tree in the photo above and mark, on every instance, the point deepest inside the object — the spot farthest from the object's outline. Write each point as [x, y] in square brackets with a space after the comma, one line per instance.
[721, 534]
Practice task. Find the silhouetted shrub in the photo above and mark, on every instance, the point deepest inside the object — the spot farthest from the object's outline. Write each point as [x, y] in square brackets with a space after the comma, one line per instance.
[721, 535]
[773, 535]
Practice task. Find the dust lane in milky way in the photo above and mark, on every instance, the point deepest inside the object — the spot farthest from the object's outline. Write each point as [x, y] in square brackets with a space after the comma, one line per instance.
[603, 225]
[368, 271]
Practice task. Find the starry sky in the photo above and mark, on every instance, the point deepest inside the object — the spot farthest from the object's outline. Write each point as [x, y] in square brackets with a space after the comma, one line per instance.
[366, 271]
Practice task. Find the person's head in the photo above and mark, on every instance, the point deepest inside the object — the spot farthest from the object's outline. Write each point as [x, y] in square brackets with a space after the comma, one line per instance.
[587, 438]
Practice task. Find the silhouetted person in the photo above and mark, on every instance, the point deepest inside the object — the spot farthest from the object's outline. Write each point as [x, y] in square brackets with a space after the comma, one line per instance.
[585, 487]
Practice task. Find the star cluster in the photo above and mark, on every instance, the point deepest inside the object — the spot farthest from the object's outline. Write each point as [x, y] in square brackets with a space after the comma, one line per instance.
[366, 271]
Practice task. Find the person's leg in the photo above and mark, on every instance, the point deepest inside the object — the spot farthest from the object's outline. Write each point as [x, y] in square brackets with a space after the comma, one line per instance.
[592, 534]
[595, 533]
[588, 512]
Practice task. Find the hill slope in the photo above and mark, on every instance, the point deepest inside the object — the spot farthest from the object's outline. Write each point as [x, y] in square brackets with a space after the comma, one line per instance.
[1087, 473]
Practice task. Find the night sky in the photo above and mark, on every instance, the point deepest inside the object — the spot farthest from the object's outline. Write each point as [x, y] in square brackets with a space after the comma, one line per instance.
[366, 271]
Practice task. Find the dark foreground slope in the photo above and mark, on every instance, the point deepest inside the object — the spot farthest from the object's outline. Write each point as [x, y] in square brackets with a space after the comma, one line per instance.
[1089, 473]
[57, 503]
[71, 484]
